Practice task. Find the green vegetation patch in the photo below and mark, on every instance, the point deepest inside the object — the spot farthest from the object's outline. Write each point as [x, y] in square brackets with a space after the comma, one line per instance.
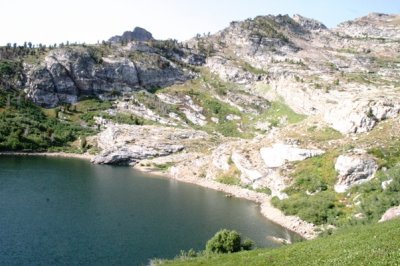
[388, 155]
[10, 73]
[311, 196]
[359, 77]
[249, 68]
[314, 174]
[278, 111]
[163, 166]
[323, 134]
[82, 112]
[126, 118]
[230, 177]
[152, 102]
[321, 208]
[373, 199]
[216, 108]
[264, 27]
[8, 68]
[23, 126]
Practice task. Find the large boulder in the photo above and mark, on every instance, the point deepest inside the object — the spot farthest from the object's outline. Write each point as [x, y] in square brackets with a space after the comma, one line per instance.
[390, 214]
[279, 154]
[354, 170]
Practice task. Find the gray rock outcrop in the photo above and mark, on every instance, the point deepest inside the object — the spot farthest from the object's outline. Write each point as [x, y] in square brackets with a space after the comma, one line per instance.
[374, 25]
[308, 23]
[68, 74]
[134, 153]
[391, 214]
[126, 144]
[279, 154]
[350, 117]
[228, 71]
[354, 169]
[138, 34]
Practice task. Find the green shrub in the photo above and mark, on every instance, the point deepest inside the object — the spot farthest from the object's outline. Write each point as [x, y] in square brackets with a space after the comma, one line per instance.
[265, 190]
[230, 177]
[227, 241]
[7, 68]
[164, 166]
[96, 53]
[321, 208]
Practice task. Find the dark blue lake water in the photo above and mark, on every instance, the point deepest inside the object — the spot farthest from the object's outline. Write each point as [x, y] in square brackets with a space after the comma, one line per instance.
[57, 211]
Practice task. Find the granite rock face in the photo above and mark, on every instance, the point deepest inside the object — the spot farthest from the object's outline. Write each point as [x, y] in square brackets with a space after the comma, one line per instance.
[308, 23]
[126, 144]
[138, 34]
[348, 117]
[354, 170]
[374, 25]
[68, 74]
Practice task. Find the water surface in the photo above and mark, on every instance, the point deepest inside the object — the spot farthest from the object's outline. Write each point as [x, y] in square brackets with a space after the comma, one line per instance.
[58, 211]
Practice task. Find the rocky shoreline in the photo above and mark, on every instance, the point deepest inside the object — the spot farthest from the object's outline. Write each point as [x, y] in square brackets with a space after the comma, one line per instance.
[292, 223]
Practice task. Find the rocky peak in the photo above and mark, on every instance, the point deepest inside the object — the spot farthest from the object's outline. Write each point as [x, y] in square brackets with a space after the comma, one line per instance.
[308, 23]
[374, 25]
[138, 34]
[274, 27]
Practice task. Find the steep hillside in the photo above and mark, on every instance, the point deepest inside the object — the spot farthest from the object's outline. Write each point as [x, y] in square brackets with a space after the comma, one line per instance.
[317, 71]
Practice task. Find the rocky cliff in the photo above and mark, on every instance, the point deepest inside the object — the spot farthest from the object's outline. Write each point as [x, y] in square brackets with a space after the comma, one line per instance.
[67, 74]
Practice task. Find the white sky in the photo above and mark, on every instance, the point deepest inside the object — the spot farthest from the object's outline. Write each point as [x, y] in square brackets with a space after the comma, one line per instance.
[46, 21]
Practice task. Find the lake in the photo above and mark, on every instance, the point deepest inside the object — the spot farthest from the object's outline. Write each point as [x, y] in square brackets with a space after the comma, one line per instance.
[59, 211]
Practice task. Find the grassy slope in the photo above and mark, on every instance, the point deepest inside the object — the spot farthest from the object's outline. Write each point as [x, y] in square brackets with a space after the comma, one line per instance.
[377, 244]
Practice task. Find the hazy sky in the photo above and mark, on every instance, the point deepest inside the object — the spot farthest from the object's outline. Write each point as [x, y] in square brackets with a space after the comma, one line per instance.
[46, 21]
